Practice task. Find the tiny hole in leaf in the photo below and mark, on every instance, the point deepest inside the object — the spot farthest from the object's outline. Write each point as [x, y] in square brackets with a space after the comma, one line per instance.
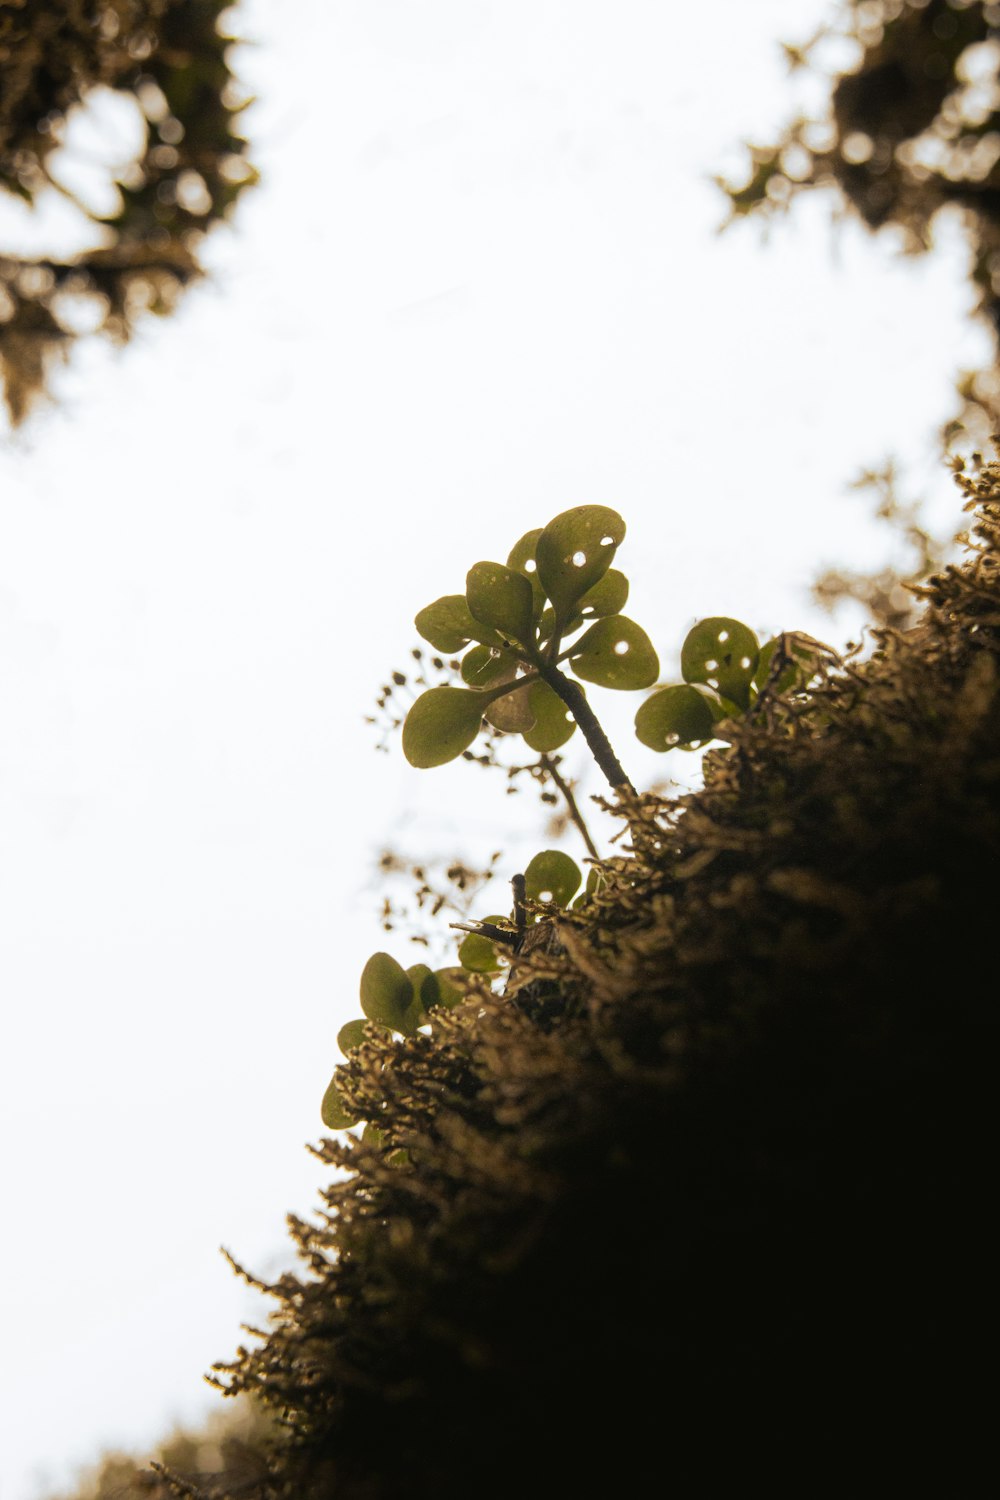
[578, 559]
[745, 662]
[607, 541]
[545, 895]
[495, 651]
[529, 566]
[589, 610]
[621, 647]
[712, 664]
[714, 682]
[723, 635]
[672, 739]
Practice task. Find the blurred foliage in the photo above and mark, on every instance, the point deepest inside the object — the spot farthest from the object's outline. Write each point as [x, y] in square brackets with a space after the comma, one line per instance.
[224, 1457]
[912, 128]
[888, 595]
[169, 58]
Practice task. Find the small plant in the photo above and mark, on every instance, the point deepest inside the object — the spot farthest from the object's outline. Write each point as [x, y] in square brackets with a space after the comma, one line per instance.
[556, 602]
[555, 607]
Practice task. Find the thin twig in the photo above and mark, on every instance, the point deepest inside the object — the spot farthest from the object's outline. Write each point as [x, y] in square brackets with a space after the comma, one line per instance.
[551, 767]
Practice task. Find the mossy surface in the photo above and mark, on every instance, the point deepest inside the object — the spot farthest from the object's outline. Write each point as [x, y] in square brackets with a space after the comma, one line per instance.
[705, 1185]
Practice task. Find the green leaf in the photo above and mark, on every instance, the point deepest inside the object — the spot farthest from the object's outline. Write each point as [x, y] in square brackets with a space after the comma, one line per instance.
[552, 877]
[336, 1112]
[522, 557]
[512, 713]
[675, 718]
[574, 552]
[450, 987]
[485, 666]
[553, 721]
[449, 626]
[615, 653]
[441, 724]
[501, 598]
[350, 1037]
[722, 653]
[478, 954]
[386, 991]
[608, 597]
[424, 987]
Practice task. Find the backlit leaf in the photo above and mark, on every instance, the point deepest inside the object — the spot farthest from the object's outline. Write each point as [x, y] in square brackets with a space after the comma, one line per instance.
[522, 557]
[441, 724]
[485, 666]
[616, 653]
[574, 552]
[450, 987]
[512, 713]
[386, 991]
[424, 987]
[678, 717]
[478, 954]
[502, 599]
[552, 877]
[608, 597]
[336, 1113]
[722, 653]
[351, 1036]
[447, 623]
[553, 721]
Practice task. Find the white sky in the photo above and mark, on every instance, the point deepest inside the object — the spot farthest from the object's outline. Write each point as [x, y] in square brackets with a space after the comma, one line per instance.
[480, 284]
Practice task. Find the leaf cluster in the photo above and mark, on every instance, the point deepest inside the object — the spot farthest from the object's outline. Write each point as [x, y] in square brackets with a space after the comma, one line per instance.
[556, 602]
[725, 670]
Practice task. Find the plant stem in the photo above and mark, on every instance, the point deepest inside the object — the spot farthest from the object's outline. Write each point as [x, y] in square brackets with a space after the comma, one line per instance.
[551, 768]
[600, 746]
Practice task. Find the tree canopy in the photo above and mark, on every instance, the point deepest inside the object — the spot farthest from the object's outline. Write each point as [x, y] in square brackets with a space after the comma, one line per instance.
[911, 130]
[167, 59]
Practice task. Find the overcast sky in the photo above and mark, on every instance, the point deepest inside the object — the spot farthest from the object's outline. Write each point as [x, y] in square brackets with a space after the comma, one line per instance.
[480, 283]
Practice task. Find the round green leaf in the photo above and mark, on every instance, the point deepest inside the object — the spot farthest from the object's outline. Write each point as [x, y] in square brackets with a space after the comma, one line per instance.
[512, 713]
[386, 991]
[450, 987]
[722, 653]
[447, 623]
[615, 653]
[553, 721]
[608, 597]
[336, 1112]
[351, 1036]
[501, 598]
[424, 987]
[522, 557]
[552, 877]
[574, 552]
[441, 724]
[485, 666]
[478, 954]
[677, 717]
